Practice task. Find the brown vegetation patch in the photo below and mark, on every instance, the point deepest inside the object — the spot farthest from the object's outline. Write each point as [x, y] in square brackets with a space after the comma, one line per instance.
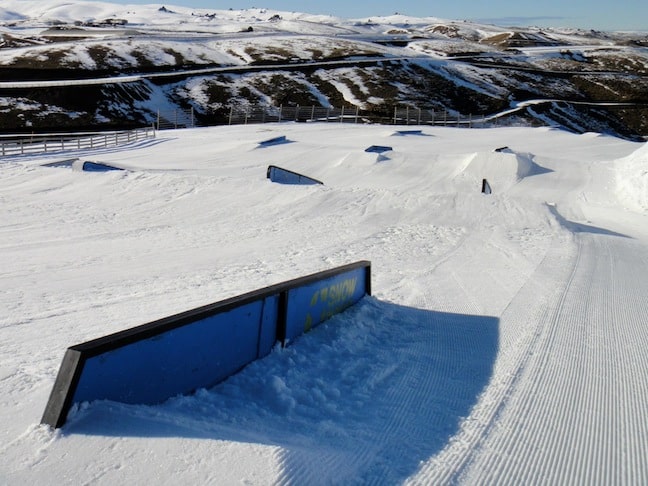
[11, 41]
[284, 90]
[447, 30]
[611, 88]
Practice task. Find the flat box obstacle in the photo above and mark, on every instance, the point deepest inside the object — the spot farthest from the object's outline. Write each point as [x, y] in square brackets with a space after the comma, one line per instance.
[201, 347]
[378, 149]
[98, 167]
[274, 141]
[285, 176]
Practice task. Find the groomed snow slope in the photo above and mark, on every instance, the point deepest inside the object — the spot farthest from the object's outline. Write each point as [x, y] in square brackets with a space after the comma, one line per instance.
[504, 343]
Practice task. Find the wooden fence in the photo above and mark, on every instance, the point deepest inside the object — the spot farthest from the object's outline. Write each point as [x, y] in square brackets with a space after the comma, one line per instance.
[54, 142]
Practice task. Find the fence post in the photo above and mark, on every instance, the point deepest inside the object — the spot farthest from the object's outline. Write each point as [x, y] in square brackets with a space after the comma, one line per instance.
[328, 114]
[342, 115]
[297, 113]
[280, 112]
[192, 117]
[312, 113]
[357, 113]
[230, 114]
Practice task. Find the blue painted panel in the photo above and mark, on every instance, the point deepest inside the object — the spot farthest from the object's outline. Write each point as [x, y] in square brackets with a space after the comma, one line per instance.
[268, 329]
[283, 176]
[486, 188]
[201, 347]
[178, 361]
[273, 141]
[379, 149]
[310, 305]
[410, 132]
[96, 167]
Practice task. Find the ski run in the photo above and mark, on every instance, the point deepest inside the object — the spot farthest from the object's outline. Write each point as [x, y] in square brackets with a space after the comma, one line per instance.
[504, 343]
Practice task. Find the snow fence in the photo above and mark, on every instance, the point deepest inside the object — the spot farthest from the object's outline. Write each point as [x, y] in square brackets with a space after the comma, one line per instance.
[201, 347]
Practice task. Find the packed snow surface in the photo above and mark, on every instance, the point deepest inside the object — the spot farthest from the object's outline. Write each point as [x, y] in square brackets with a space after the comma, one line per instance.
[633, 179]
[505, 341]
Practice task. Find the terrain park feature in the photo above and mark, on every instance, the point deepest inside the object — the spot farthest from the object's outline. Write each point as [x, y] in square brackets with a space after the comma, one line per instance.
[378, 149]
[285, 176]
[98, 167]
[274, 141]
[199, 348]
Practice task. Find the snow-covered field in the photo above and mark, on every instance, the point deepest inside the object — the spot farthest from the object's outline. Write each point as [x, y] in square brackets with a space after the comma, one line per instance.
[504, 342]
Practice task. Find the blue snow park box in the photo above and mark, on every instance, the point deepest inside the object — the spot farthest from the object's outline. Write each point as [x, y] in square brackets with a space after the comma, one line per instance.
[409, 132]
[285, 176]
[98, 167]
[274, 141]
[201, 347]
[183, 358]
[310, 305]
[378, 149]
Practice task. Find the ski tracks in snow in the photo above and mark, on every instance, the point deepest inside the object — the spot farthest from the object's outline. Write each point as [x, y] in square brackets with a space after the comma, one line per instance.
[564, 404]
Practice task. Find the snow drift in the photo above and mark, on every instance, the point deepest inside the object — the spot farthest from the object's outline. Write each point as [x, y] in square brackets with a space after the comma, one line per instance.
[501, 169]
[632, 179]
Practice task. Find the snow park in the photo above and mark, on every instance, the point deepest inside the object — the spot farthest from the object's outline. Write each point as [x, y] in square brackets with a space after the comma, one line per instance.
[323, 302]
[503, 341]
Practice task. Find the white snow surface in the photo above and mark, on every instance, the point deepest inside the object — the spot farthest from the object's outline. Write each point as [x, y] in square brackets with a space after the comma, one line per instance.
[504, 342]
[632, 179]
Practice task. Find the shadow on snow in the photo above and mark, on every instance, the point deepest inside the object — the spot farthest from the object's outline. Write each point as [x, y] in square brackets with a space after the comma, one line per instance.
[366, 396]
[575, 227]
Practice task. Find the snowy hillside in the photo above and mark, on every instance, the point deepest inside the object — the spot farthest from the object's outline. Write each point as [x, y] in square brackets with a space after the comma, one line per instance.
[504, 342]
[149, 58]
